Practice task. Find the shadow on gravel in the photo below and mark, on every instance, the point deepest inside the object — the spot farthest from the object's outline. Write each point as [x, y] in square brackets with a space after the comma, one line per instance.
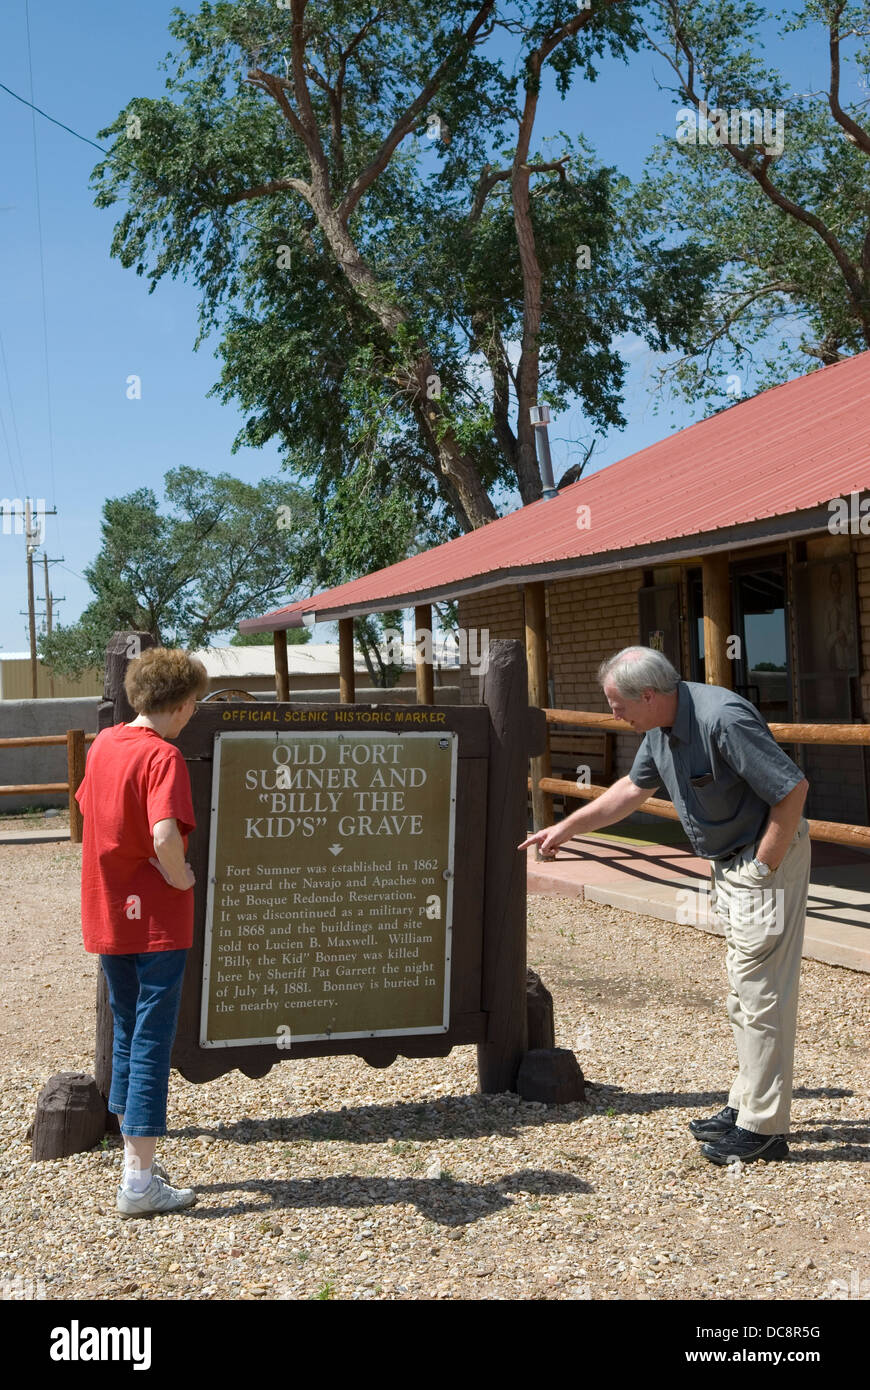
[642, 1102]
[476, 1116]
[461, 1117]
[446, 1201]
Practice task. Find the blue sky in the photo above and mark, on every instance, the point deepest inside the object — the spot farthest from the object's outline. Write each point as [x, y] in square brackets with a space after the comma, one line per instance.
[88, 62]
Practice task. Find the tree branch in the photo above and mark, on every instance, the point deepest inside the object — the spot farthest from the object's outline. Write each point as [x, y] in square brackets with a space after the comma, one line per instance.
[486, 183]
[757, 169]
[406, 121]
[264, 190]
[307, 118]
[857, 132]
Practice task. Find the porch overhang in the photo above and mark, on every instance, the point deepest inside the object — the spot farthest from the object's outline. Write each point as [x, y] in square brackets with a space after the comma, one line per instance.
[677, 550]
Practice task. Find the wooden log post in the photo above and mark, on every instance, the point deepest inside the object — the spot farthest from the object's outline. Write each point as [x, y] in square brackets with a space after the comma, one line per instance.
[282, 671]
[551, 1076]
[717, 620]
[505, 691]
[75, 762]
[425, 669]
[536, 658]
[346, 675]
[69, 1117]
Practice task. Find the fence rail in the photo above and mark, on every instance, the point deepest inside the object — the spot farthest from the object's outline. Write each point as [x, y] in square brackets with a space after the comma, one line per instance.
[75, 740]
[837, 735]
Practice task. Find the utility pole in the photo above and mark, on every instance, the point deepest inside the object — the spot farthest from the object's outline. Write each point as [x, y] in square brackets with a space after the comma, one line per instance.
[50, 601]
[32, 537]
[31, 609]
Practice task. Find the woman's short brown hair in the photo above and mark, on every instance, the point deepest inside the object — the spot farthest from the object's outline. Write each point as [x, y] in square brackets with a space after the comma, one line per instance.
[163, 678]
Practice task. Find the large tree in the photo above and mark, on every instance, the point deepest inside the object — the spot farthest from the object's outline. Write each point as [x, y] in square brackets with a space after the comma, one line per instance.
[221, 550]
[787, 218]
[360, 194]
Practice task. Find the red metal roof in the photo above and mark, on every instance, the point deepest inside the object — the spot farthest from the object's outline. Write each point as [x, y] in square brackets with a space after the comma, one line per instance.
[787, 450]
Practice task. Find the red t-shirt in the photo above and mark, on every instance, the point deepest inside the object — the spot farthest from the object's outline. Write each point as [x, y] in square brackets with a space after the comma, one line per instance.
[133, 778]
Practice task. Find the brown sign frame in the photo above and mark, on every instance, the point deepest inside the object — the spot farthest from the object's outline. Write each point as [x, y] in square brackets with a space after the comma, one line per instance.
[488, 982]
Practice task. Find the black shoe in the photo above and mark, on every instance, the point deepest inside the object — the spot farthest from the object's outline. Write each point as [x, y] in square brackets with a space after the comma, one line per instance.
[716, 1126]
[742, 1144]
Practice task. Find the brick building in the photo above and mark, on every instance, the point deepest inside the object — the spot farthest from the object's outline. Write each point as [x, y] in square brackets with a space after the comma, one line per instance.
[740, 546]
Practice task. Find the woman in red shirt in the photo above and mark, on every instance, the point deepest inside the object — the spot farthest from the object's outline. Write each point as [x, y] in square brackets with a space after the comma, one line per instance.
[137, 904]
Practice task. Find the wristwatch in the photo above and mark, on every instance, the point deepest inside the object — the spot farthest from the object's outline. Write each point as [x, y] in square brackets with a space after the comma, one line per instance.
[760, 867]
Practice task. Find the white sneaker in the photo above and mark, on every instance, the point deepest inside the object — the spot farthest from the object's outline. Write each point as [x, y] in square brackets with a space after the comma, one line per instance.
[158, 1197]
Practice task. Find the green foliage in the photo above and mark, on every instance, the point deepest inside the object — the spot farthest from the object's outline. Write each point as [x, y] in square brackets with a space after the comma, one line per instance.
[788, 250]
[233, 184]
[296, 637]
[383, 659]
[222, 550]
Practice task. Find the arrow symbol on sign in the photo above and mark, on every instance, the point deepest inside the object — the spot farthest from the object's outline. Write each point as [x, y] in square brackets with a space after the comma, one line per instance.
[336, 849]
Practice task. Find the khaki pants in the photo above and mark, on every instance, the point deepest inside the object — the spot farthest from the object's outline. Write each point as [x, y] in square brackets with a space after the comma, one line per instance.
[764, 921]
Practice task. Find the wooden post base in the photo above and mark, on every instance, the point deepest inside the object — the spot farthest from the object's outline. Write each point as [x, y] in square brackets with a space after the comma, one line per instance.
[70, 1117]
[551, 1075]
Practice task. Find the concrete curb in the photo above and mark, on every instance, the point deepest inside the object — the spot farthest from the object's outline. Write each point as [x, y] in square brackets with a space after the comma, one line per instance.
[33, 837]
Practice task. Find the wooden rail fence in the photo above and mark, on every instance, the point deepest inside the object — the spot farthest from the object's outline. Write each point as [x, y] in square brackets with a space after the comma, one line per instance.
[75, 740]
[838, 735]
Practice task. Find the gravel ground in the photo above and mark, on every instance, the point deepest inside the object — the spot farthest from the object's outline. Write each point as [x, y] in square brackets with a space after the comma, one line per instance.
[321, 1180]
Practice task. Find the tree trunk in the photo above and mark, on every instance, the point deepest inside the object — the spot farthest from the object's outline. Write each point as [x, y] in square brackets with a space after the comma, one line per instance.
[454, 466]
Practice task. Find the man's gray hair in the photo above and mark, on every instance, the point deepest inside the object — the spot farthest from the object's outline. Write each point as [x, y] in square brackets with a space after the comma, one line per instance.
[636, 669]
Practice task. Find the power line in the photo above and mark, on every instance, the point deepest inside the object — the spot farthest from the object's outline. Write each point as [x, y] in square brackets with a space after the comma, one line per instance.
[73, 572]
[49, 417]
[14, 421]
[15, 486]
[40, 112]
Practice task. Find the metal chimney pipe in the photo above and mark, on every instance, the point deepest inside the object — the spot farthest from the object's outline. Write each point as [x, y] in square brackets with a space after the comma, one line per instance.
[540, 417]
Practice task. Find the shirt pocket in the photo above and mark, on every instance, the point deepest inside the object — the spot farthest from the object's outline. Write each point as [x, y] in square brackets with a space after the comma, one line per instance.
[711, 795]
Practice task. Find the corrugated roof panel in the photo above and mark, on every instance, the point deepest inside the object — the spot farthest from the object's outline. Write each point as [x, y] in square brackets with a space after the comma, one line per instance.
[789, 449]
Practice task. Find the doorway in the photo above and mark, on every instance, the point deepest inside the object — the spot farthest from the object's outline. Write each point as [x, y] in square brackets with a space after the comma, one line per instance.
[759, 617]
[762, 665]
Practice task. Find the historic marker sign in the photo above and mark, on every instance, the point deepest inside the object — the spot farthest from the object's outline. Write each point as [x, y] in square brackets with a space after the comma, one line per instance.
[330, 887]
[459, 775]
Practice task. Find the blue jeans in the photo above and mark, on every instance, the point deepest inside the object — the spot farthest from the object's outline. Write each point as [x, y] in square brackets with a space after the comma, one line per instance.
[144, 994]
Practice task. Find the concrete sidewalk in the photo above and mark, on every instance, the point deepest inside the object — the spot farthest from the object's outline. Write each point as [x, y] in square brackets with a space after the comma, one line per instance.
[639, 875]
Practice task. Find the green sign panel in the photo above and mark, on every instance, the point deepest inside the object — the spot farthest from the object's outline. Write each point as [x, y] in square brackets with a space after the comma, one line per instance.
[330, 887]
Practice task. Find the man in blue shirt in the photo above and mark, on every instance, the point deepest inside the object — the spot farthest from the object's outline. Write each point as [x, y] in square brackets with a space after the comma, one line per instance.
[740, 799]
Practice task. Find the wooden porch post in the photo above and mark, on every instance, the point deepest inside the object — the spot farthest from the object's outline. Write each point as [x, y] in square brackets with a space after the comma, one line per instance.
[282, 672]
[346, 677]
[717, 620]
[536, 658]
[425, 669]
